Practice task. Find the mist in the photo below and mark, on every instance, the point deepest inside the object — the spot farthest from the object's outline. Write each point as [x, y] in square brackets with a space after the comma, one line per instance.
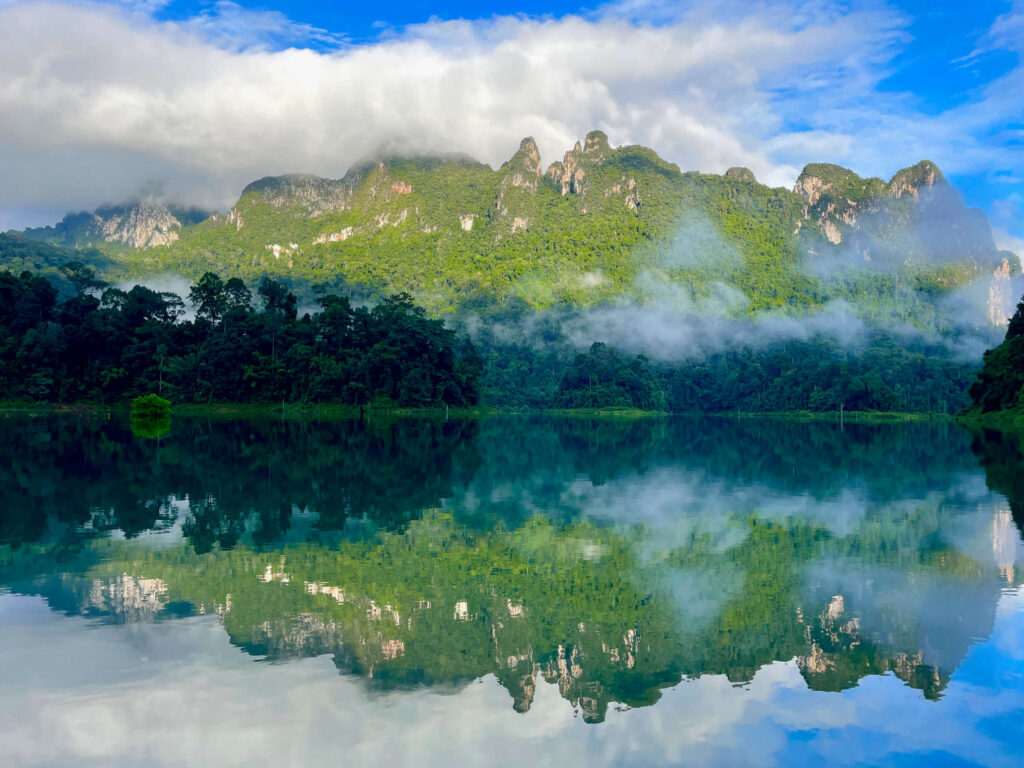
[665, 319]
[170, 282]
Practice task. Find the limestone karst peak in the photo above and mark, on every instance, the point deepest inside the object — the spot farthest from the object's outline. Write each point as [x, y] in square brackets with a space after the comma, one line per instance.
[596, 141]
[739, 173]
[914, 178]
[526, 158]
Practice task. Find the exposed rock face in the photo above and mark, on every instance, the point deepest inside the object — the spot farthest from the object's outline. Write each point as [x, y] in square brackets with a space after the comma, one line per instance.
[1000, 295]
[1004, 543]
[570, 174]
[138, 226]
[811, 187]
[516, 200]
[831, 231]
[129, 598]
[596, 144]
[910, 181]
[312, 195]
[525, 163]
[334, 237]
[914, 217]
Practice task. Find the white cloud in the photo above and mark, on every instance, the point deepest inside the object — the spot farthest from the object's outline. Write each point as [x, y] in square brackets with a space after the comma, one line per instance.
[228, 25]
[100, 99]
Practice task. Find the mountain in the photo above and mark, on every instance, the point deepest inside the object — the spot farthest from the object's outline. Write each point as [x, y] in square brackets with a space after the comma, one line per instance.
[141, 224]
[593, 227]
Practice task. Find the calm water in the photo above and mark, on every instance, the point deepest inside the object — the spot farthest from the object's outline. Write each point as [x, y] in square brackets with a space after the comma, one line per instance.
[514, 591]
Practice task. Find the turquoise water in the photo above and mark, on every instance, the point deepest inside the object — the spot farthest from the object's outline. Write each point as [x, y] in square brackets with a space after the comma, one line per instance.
[515, 590]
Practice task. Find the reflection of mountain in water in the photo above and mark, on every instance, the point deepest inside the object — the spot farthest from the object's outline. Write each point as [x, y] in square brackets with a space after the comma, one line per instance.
[609, 558]
[1002, 456]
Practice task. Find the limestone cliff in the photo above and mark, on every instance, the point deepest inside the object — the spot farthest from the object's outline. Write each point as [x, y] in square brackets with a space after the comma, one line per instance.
[142, 224]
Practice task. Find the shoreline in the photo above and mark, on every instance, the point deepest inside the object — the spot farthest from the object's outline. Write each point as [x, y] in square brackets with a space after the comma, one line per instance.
[329, 411]
[1011, 420]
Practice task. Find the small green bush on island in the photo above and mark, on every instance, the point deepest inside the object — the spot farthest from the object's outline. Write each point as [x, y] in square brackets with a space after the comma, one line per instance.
[150, 407]
[150, 416]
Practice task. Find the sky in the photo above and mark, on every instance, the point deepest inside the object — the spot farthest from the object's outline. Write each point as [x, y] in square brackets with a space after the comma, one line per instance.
[189, 100]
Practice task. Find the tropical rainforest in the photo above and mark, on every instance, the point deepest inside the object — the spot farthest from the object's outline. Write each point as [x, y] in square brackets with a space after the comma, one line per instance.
[127, 343]
[439, 280]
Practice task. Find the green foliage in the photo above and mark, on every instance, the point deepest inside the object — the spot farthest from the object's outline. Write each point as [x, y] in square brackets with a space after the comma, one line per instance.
[1000, 383]
[151, 428]
[150, 406]
[404, 595]
[71, 270]
[603, 379]
[451, 232]
[474, 244]
[128, 343]
[821, 376]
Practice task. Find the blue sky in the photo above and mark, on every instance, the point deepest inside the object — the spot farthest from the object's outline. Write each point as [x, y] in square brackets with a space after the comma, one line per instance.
[196, 97]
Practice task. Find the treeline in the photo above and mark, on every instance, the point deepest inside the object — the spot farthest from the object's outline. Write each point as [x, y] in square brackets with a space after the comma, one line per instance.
[815, 375]
[1000, 384]
[107, 344]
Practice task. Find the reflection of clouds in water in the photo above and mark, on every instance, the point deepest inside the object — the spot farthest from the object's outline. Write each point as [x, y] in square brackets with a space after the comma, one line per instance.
[699, 594]
[675, 502]
[177, 693]
[671, 504]
[940, 607]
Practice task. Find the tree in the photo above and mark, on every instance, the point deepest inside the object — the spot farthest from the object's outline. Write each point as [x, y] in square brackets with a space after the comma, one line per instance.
[237, 295]
[83, 278]
[210, 297]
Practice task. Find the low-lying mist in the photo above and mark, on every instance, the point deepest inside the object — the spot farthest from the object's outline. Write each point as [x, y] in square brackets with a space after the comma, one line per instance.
[663, 316]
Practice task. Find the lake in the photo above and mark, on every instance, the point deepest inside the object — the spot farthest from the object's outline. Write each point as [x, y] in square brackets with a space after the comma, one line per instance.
[509, 591]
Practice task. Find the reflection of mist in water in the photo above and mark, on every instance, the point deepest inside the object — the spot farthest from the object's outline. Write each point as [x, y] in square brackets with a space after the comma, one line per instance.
[609, 558]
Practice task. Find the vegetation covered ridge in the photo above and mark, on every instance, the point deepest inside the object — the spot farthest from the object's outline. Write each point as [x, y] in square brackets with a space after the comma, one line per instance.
[453, 232]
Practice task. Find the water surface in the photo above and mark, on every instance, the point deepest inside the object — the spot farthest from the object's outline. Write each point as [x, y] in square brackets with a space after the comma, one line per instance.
[547, 590]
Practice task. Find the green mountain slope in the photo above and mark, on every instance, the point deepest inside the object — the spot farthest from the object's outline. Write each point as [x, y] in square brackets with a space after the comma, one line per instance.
[600, 224]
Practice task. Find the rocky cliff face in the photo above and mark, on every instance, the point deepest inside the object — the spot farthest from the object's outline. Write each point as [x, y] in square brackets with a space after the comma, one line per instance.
[911, 181]
[571, 174]
[1000, 294]
[142, 224]
[137, 226]
[914, 218]
[307, 195]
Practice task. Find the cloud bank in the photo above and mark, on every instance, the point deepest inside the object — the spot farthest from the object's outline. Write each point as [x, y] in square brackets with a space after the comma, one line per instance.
[100, 99]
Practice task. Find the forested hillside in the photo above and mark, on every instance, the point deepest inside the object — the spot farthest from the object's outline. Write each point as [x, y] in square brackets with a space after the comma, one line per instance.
[600, 224]
[843, 293]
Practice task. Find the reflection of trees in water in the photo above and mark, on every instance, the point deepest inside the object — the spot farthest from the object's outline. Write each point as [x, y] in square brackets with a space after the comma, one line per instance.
[74, 471]
[606, 613]
[1002, 456]
[575, 604]
[252, 475]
